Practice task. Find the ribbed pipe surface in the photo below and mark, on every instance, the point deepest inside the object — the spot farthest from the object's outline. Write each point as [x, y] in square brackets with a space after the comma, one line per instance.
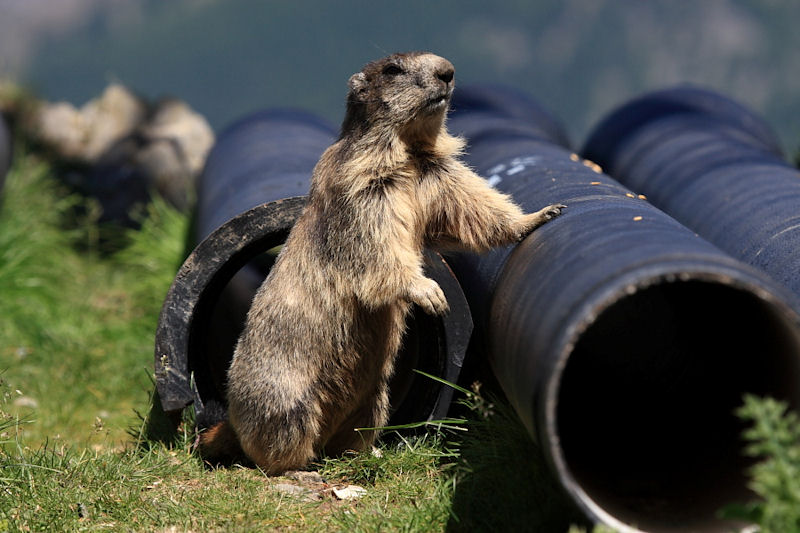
[623, 340]
[264, 157]
[611, 133]
[717, 173]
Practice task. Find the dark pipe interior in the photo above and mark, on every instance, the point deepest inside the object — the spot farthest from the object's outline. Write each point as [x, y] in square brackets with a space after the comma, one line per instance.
[214, 337]
[646, 404]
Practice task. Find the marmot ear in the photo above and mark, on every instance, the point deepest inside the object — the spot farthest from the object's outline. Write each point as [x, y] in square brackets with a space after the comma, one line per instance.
[357, 83]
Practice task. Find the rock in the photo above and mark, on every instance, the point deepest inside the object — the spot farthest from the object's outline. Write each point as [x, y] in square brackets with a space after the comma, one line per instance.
[175, 144]
[174, 121]
[350, 492]
[164, 154]
[60, 128]
[115, 115]
[297, 491]
[26, 401]
[85, 134]
[304, 476]
[120, 148]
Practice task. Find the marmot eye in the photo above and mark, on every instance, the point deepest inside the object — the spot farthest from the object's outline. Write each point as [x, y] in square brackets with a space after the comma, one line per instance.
[392, 70]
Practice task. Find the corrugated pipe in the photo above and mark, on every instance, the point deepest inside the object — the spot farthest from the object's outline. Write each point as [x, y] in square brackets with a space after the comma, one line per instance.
[623, 340]
[249, 196]
[713, 165]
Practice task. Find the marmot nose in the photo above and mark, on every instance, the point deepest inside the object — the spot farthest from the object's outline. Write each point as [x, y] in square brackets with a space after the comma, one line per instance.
[445, 74]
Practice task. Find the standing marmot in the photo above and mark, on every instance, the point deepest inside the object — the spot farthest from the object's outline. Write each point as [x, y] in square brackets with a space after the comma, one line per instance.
[321, 337]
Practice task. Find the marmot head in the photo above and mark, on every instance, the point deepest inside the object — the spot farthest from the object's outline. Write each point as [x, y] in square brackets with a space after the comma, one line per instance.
[398, 91]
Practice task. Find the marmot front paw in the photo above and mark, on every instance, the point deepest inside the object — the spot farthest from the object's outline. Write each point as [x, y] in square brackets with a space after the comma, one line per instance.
[427, 294]
[552, 211]
[534, 220]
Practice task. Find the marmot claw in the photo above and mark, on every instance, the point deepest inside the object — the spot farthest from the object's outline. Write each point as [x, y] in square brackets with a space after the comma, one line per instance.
[552, 211]
[429, 296]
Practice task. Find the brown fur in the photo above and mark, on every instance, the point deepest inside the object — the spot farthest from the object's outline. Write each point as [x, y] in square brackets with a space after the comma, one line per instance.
[319, 345]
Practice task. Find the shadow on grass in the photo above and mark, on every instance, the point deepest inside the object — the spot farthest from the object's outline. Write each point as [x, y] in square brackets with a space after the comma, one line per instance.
[503, 483]
[158, 427]
[501, 480]
[179, 430]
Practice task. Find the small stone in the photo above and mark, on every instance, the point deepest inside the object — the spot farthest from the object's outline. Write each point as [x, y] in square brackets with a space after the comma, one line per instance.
[288, 488]
[350, 492]
[304, 476]
[22, 352]
[177, 124]
[297, 491]
[26, 401]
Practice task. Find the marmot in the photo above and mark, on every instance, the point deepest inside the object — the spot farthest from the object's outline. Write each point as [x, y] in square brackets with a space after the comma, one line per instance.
[318, 348]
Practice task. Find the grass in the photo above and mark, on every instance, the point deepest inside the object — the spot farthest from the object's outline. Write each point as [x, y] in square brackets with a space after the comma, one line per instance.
[78, 326]
[76, 344]
[66, 489]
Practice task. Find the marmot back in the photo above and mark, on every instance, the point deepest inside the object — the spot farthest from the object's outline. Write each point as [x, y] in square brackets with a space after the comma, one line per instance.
[314, 360]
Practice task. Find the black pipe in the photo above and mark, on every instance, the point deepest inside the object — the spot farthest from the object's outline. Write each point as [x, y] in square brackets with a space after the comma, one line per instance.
[623, 341]
[718, 172]
[5, 151]
[249, 196]
[606, 139]
[507, 109]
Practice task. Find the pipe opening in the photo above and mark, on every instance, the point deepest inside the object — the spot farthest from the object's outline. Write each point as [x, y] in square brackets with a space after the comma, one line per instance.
[645, 413]
[220, 320]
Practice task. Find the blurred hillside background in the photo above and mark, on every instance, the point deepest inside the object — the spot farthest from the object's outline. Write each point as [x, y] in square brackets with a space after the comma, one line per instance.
[578, 57]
